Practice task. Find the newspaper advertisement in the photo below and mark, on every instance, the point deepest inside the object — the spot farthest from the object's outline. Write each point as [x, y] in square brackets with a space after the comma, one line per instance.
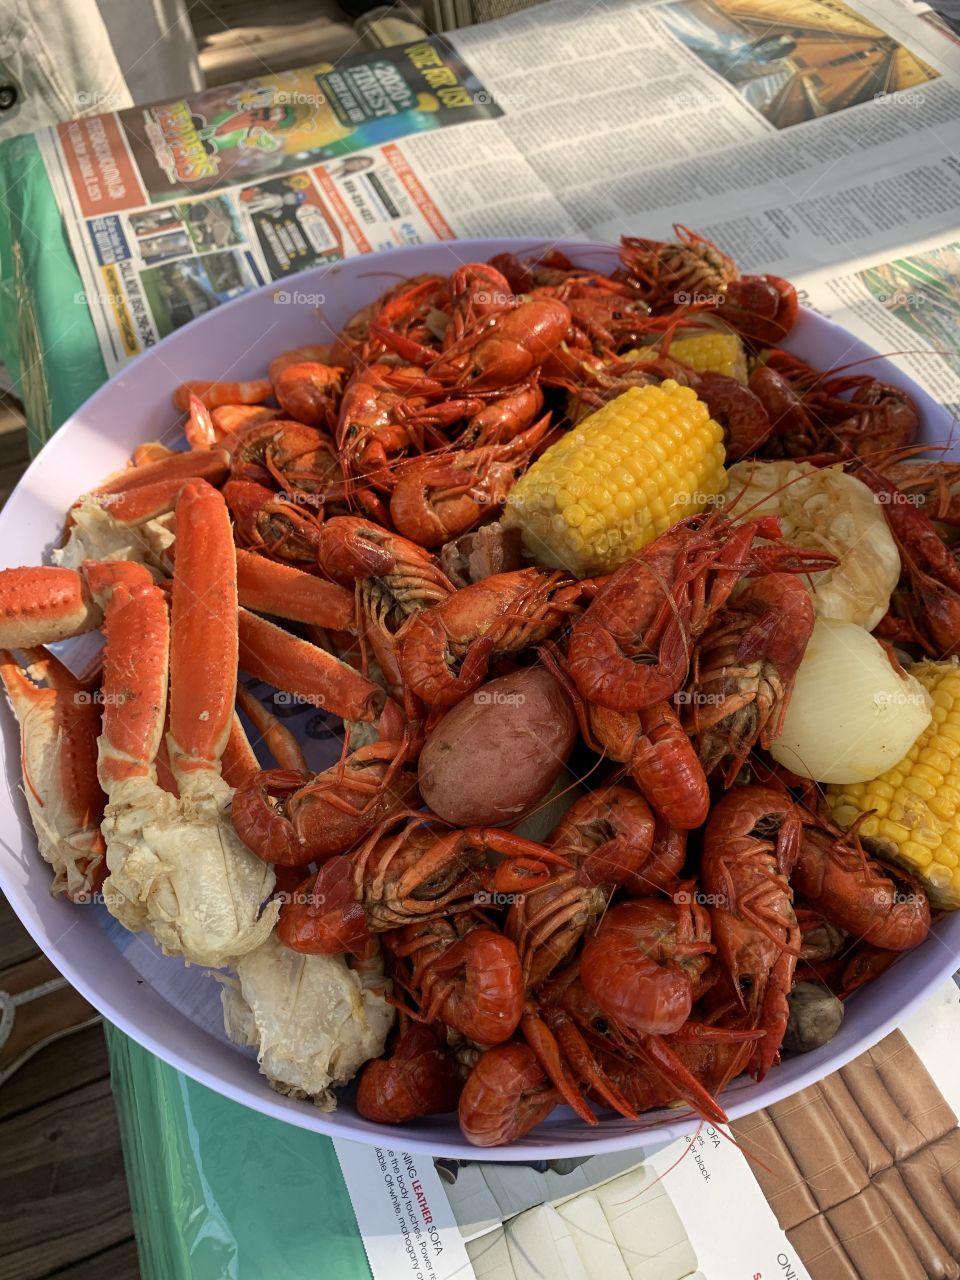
[854, 1175]
[801, 135]
[175, 208]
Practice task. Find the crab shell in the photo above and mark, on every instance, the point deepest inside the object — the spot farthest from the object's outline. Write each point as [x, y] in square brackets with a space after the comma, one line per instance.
[313, 1020]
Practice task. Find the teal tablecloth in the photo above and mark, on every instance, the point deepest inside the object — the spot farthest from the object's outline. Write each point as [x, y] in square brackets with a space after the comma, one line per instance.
[219, 1192]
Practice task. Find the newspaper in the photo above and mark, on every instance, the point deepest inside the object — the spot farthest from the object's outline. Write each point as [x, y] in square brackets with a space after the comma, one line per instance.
[854, 1176]
[810, 138]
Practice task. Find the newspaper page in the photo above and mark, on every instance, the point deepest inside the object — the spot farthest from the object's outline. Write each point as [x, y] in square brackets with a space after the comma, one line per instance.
[175, 208]
[853, 1176]
[801, 135]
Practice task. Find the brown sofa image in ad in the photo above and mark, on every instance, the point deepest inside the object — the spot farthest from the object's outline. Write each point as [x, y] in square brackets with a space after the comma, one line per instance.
[863, 1170]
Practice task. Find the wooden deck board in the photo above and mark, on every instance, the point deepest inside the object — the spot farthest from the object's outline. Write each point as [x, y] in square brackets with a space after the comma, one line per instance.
[63, 1191]
[62, 1183]
[118, 1263]
[16, 945]
[76, 1060]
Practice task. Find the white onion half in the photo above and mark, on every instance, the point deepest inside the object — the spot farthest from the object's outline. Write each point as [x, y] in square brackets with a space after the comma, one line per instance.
[852, 716]
[831, 511]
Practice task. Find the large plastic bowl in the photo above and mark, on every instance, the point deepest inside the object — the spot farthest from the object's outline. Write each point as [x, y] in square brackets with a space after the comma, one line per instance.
[174, 1011]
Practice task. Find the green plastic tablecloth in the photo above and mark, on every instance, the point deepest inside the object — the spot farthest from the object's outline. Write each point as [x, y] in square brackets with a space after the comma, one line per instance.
[218, 1192]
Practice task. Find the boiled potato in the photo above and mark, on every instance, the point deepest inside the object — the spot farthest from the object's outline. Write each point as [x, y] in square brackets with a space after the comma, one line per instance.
[499, 751]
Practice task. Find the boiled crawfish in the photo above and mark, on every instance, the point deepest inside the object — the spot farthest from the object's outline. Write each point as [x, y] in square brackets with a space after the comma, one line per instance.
[750, 849]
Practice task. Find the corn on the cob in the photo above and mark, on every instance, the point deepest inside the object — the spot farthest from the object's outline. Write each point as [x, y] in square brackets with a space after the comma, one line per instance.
[619, 479]
[917, 803]
[707, 353]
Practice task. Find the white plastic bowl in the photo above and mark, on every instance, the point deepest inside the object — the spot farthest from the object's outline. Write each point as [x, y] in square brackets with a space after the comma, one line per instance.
[174, 1011]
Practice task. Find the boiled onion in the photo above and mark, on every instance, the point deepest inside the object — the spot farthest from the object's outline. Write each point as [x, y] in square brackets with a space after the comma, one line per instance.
[852, 716]
[827, 509]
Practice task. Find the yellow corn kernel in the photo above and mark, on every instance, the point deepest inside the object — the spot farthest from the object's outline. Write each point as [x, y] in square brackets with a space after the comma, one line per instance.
[706, 353]
[653, 455]
[917, 803]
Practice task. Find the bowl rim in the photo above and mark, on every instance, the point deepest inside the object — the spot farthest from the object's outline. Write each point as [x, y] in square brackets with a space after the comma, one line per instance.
[611, 1135]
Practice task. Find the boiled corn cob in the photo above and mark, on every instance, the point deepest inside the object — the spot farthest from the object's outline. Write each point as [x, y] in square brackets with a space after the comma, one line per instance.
[619, 479]
[917, 803]
[706, 353]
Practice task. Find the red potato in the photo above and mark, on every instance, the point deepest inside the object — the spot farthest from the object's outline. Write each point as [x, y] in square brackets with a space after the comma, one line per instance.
[499, 751]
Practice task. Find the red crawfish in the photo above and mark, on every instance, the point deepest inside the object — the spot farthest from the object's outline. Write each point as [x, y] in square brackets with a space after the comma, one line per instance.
[418, 1078]
[608, 836]
[462, 973]
[417, 870]
[445, 651]
[751, 846]
[632, 647]
[744, 668]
